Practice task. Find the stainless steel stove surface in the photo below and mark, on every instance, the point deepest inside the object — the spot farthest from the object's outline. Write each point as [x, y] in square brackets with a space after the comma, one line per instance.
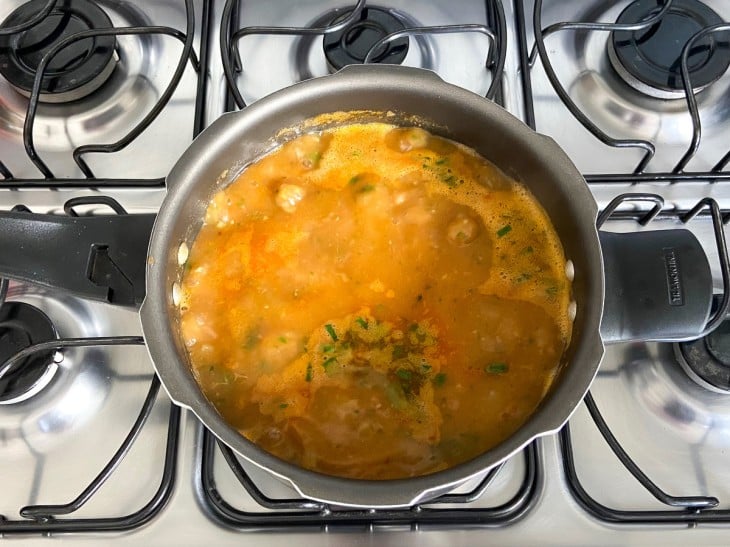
[91, 409]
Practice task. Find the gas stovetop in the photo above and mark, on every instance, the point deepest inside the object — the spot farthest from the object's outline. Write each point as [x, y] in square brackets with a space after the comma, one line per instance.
[91, 450]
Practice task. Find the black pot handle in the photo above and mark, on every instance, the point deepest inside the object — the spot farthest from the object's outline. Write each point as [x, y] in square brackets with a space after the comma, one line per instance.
[97, 257]
[658, 286]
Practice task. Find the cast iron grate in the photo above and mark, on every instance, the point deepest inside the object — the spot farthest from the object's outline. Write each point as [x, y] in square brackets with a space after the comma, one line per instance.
[46, 519]
[299, 513]
[50, 180]
[528, 56]
[689, 510]
[231, 32]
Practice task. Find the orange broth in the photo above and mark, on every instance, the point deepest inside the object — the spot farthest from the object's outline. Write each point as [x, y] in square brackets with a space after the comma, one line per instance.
[375, 302]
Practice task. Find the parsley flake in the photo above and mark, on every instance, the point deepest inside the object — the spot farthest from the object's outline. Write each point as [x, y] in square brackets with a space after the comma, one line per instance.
[496, 368]
[331, 331]
[439, 379]
[504, 230]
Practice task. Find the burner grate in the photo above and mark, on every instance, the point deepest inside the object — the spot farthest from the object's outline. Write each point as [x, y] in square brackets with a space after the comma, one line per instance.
[50, 179]
[687, 89]
[690, 510]
[44, 519]
[295, 514]
[388, 47]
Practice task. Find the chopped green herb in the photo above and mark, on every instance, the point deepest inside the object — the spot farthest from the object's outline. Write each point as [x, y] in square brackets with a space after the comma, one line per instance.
[496, 368]
[308, 375]
[528, 250]
[504, 230]
[331, 331]
[327, 348]
[439, 379]
[360, 321]
[441, 161]
[283, 405]
[426, 367]
[551, 291]
[355, 179]
[282, 339]
[404, 374]
[522, 277]
[328, 362]
[399, 352]
[366, 188]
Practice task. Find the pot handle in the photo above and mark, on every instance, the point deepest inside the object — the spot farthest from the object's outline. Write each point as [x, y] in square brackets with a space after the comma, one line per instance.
[97, 257]
[658, 286]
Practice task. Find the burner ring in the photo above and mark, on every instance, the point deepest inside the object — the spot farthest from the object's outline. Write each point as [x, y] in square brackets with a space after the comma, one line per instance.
[75, 71]
[350, 45]
[707, 360]
[649, 60]
[23, 325]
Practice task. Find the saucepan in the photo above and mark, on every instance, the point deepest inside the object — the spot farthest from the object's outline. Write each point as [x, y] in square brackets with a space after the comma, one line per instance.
[650, 285]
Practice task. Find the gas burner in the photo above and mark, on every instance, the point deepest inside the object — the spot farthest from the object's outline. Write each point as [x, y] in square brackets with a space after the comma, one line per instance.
[22, 325]
[649, 60]
[350, 45]
[707, 360]
[77, 70]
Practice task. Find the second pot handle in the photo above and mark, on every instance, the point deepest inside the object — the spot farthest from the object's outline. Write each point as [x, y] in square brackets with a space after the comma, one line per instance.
[98, 257]
[658, 286]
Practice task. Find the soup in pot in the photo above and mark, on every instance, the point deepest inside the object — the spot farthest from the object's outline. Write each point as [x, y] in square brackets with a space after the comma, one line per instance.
[375, 302]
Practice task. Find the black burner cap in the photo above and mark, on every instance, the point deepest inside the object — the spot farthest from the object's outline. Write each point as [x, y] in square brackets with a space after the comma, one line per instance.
[22, 325]
[650, 59]
[707, 360]
[350, 45]
[77, 69]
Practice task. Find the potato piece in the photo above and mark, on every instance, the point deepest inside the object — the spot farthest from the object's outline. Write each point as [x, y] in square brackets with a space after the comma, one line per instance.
[462, 230]
[308, 150]
[405, 139]
[288, 196]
